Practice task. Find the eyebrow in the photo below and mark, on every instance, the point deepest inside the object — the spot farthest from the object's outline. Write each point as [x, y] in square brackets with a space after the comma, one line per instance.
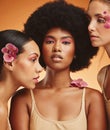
[35, 54]
[98, 14]
[48, 36]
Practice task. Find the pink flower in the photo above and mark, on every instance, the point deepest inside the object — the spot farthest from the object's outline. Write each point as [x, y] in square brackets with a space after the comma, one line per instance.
[10, 51]
[78, 83]
[107, 20]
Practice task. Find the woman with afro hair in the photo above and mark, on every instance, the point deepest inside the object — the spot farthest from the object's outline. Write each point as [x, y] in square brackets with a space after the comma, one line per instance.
[59, 102]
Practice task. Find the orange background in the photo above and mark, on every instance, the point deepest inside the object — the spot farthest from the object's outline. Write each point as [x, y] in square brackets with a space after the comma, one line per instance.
[14, 13]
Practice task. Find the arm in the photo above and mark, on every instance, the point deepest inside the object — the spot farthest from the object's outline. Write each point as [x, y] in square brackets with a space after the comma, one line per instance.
[101, 76]
[19, 114]
[96, 117]
[3, 118]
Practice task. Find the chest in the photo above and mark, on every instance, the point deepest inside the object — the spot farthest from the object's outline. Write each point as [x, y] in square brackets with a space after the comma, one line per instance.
[59, 106]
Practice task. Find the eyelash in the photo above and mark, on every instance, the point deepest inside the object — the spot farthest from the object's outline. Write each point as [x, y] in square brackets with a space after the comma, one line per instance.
[101, 20]
[64, 42]
[34, 59]
[49, 42]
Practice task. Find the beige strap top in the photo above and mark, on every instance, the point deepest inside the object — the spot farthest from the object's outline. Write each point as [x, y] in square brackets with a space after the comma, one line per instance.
[8, 125]
[39, 122]
[107, 101]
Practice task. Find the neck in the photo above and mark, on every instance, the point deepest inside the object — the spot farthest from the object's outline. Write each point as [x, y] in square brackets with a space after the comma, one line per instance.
[7, 89]
[107, 48]
[57, 79]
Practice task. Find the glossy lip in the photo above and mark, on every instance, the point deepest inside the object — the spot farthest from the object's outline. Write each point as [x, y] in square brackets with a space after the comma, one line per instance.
[36, 80]
[56, 57]
[93, 37]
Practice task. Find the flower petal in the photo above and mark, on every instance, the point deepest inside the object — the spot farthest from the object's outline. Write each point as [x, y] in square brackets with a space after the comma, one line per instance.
[4, 50]
[79, 83]
[8, 58]
[10, 51]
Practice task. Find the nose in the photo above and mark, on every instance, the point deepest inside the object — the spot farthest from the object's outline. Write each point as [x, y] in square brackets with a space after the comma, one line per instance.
[39, 68]
[91, 27]
[57, 47]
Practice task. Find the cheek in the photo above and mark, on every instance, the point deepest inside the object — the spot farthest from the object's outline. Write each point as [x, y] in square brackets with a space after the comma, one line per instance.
[23, 73]
[70, 51]
[105, 35]
[22, 67]
[46, 51]
[19, 73]
[106, 39]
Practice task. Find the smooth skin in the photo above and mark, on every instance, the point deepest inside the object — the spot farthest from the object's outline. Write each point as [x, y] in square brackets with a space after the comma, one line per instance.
[100, 36]
[99, 14]
[96, 27]
[54, 97]
[23, 71]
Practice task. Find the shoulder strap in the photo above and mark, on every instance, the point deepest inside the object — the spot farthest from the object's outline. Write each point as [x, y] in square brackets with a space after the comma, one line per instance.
[104, 81]
[32, 100]
[83, 99]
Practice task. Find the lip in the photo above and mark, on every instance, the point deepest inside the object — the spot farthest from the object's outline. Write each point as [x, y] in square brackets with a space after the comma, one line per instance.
[36, 80]
[93, 37]
[56, 57]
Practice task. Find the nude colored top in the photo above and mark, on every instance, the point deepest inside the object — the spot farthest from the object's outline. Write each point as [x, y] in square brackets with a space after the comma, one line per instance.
[8, 125]
[107, 101]
[39, 122]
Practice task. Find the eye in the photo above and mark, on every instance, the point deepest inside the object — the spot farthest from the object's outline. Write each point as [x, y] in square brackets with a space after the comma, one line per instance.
[101, 20]
[48, 41]
[66, 42]
[33, 59]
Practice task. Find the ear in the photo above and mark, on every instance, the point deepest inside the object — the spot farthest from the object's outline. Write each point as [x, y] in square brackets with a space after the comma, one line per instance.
[8, 65]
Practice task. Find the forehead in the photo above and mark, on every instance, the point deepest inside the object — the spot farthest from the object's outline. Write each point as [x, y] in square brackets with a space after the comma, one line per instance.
[97, 7]
[31, 47]
[58, 32]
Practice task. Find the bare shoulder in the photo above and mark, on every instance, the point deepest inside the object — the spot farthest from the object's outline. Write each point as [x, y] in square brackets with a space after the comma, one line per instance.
[20, 108]
[103, 69]
[3, 110]
[3, 117]
[101, 75]
[21, 96]
[95, 109]
[93, 95]
[94, 99]
[22, 92]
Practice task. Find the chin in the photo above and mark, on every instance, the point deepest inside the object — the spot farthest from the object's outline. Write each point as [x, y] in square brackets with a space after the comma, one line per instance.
[94, 44]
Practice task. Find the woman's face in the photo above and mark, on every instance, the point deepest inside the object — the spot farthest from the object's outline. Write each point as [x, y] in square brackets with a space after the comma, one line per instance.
[58, 49]
[26, 67]
[99, 27]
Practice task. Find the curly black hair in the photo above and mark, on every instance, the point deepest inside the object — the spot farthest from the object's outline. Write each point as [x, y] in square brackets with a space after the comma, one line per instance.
[67, 17]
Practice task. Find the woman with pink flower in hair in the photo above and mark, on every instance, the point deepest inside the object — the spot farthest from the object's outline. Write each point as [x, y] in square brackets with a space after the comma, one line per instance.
[19, 66]
[60, 102]
[99, 29]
